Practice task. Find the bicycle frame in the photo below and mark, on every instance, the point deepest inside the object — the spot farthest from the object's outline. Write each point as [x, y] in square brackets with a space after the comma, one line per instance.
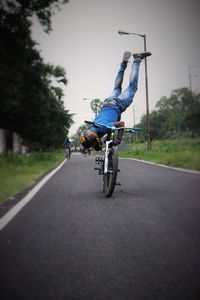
[108, 142]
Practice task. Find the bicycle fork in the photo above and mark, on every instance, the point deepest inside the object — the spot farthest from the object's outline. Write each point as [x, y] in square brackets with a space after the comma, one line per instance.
[106, 157]
[103, 160]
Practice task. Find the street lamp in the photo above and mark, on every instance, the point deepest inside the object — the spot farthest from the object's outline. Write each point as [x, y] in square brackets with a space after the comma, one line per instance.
[146, 84]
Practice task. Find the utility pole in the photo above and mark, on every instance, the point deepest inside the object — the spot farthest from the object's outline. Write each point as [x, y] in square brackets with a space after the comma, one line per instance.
[190, 76]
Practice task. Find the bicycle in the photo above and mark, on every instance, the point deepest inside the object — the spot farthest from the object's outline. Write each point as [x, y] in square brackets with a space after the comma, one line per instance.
[67, 152]
[109, 160]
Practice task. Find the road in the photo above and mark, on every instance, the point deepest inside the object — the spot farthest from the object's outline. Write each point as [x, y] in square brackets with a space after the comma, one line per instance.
[70, 242]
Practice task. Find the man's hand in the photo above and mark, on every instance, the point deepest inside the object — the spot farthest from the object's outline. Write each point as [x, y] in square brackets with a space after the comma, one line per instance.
[119, 124]
[116, 142]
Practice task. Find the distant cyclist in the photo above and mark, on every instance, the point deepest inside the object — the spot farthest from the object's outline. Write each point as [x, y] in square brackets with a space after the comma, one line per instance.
[67, 145]
[110, 113]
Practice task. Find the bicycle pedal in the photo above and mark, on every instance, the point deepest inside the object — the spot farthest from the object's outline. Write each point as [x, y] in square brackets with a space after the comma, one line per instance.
[118, 183]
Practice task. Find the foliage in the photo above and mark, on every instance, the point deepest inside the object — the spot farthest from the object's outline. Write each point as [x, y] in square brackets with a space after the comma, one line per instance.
[96, 105]
[183, 153]
[43, 9]
[178, 115]
[30, 90]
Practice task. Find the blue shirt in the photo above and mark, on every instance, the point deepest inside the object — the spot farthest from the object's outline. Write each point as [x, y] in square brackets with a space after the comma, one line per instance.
[107, 116]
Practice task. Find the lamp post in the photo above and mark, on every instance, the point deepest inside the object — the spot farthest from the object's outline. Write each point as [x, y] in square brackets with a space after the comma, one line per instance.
[190, 76]
[146, 85]
[133, 116]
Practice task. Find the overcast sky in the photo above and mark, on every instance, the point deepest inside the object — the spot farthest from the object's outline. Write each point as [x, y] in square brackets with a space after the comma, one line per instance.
[85, 41]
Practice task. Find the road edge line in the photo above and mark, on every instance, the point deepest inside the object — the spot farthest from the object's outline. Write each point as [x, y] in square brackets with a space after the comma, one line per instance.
[14, 211]
[164, 166]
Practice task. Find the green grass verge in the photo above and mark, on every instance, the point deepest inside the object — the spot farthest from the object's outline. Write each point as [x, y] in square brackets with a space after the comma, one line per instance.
[20, 171]
[183, 153]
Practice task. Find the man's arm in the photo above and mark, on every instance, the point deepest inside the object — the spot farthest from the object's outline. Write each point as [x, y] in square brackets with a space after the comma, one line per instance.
[120, 134]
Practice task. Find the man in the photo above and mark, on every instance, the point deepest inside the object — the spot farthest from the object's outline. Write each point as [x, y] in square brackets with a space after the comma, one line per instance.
[67, 145]
[110, 113]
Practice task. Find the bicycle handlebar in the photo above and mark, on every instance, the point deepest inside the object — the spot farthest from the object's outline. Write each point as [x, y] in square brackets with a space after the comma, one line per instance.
[113, 128]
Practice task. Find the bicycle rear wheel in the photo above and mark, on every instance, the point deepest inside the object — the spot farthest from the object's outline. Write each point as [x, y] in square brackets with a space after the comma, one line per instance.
[109, 179]
[67, 153]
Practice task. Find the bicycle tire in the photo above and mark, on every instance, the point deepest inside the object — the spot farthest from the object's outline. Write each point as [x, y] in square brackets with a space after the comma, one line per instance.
[109, 179]
[67, 153]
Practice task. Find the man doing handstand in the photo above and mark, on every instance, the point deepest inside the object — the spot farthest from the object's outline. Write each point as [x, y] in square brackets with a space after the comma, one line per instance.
[115, 104]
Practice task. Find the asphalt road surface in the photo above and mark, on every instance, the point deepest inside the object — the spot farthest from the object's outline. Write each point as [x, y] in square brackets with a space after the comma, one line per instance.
[70, 242]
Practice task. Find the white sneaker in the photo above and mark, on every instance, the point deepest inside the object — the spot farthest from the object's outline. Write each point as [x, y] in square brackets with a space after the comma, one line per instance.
[126, 56]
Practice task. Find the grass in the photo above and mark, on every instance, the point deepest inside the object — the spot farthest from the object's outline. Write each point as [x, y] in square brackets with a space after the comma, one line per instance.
[17, 172]
[20, 171]
[183, 153]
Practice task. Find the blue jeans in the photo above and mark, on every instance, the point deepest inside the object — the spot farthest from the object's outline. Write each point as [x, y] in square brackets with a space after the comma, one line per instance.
[125, 98]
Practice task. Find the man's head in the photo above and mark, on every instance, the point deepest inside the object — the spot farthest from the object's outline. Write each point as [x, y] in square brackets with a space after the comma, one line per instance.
[90, 139]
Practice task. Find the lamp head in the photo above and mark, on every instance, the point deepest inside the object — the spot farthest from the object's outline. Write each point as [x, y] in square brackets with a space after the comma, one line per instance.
[121, 32]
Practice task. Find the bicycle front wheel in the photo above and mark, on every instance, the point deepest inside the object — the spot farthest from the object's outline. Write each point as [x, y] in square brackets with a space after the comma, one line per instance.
[109, 179]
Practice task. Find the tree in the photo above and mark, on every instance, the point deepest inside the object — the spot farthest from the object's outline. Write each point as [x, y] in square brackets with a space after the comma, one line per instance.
[44, 9]
[31, 102]
[96, 105]
[177, 115]
[46, 122]
[181, 112]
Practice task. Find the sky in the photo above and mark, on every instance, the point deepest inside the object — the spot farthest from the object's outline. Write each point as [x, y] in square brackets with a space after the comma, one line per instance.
[85, 41]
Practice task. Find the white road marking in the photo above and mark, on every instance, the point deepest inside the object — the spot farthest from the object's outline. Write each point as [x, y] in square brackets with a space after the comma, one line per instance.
[164, 166]
[13, 211]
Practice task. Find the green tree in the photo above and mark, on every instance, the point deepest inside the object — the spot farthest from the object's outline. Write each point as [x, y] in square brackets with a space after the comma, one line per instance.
[180, 112]
[30, 103]
[46, 122]
[43, 9]
[96, 105]
[177, 115]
